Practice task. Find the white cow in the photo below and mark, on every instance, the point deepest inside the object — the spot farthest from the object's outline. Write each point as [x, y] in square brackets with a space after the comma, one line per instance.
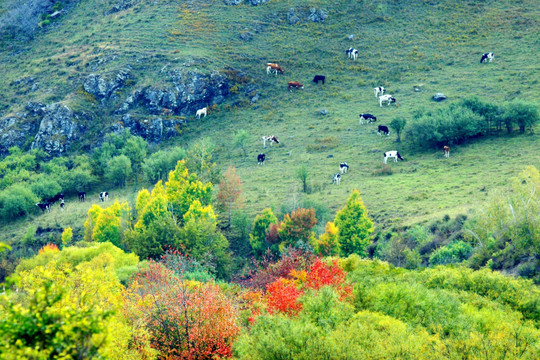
[200, 112]
[392, 154]
[379, 90]
[389, 98]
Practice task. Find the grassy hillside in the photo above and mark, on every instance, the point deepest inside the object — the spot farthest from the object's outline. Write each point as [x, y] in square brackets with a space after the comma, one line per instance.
[402, 44]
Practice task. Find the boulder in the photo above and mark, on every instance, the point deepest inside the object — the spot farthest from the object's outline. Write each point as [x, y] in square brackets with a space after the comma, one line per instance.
[291, 17]
[439, 97]
[233, 2]
[323, 112]
[57, 131]
[257, 2]
[123, 5]
[317, 15]
[245, 36]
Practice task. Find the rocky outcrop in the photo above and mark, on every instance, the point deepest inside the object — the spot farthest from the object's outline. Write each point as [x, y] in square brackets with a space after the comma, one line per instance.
[317, 15]
[58, 130]
[102, 88]
[251, 2]
[122, 5]
[189, 92]
[14, 131]
[151, 129]
[294, 15]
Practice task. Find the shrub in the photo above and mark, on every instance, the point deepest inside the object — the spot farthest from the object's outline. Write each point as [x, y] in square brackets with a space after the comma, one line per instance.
[17, 200]
[454, 252]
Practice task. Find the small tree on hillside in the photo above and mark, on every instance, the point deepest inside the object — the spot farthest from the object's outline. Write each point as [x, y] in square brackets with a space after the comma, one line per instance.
[398, 124]
[241, 138]
[302, 173]
[230, 192]
[523, 114]
[118, 170]
[328, 243]
[354, 226]
[296, 227]
[261, 225]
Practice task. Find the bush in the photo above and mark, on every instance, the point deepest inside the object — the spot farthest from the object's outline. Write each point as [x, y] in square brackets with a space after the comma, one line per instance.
[118, 170]
[157, 166]
[44, 187]
[524, 115]
[17, 200]
[454, 252]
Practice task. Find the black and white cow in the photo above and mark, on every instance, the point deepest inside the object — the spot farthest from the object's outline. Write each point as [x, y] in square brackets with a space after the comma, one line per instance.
[44, 206]
[103, 196]
[337, 179]
[392, 154]
[344, 167]
[383, 129]
[56, 198]
[318, 78]
[379, 90]
[487, 57]
[389, 98]
[62, 204]
[369, 118]
[260, 159]
[352, 53]
[82, 196]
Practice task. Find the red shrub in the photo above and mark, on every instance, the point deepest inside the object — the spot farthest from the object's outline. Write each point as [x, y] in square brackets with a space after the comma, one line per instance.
[283, 296]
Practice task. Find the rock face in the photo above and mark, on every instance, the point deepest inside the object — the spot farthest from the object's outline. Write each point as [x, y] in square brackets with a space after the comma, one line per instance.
[103, 89]
[57, 130]
[14, 131]
[190, 91]
[151, 129]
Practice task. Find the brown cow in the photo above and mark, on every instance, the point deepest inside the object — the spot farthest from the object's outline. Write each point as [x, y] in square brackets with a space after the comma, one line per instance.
[446, 151]
[294, 84]
[274, 67]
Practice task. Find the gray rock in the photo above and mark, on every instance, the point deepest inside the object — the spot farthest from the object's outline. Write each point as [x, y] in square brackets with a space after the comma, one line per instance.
[291, 17]
[330, 156]
[317, 15]
[257, 2]
[439, 97]
[323, 112]
[255, 98]
[245, 36]
[123, 5]
[14, 131]
[57, 131]
[350, 37]
[103, 89]
[152, 130]
[233, 2]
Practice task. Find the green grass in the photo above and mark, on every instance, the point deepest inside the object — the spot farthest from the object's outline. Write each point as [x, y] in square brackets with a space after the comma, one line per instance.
[402, 44]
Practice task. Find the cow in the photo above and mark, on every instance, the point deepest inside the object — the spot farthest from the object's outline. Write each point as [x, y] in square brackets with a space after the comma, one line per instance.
[389, 98]
[344, 167]
[368, 117]
[337, 179]
[103, 196]
[379, 90]
[55, 198]
[351, 53]
[200, 112]
[82, 196]
[383, 129]
[446, 151]
[62, 204]
[44, 206]
[487, 57]
[260, 159]
[392, 154]
[274, 67]
[272, 139]
[294, 84]
[318, 78]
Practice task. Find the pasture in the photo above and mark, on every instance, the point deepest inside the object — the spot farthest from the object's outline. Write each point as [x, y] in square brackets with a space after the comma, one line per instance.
[434, 46]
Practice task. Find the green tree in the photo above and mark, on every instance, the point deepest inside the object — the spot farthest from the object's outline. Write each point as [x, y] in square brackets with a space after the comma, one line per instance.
[355, 226]
[261, 225]
[135, 149]
[328, 242]
[398, 124]
[240, 140]
[525, 115]
[157, 165]
[302, 174]
[295, 229]
[107, 224]
[67, 235]
[118, 170]
[199, 160]
[230, 192]
[17, 200]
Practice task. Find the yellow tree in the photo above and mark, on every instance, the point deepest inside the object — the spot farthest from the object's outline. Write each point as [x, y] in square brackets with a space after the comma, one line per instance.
[355, 226]
[328, 243]
[107, 224]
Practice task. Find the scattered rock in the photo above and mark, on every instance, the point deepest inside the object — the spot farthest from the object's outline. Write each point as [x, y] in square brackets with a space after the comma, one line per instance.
[257, 2]
[323, 112]
[245, 36]
[123, 5]
[330, 156]
[317, 15]
[439, 97]
[255, 98]
[350, 37]
[14, 131]
[418, 88]
[233, 2]
[291, 17]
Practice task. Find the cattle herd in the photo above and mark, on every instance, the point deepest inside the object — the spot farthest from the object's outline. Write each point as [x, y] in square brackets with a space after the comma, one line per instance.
[368, 118]
[46, 204]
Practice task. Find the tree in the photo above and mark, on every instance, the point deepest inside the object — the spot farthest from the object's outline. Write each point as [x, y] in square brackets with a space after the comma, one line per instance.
[302, 174]
[67, 235]
[398, 124]
[328, 242]
[118, 170]
[230, 192]
[199, 160]
[240, 140]
[157, 165]
[17, 200]
[525, 115]
[354, 226]
[183, 189]
[295, 229]
[135, 149]
[261, 225]
[107, 224]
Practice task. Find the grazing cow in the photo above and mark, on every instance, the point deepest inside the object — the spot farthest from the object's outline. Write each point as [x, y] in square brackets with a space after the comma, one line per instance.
[337, 179]
[200, 112]
[318, 78]
[82, 196]
[273, 67]
[352, 53]
[487, 57]
[383, 129]
[379, 90]
[55, 198]
[62, 204]
[272, 139]
[44, 206]
[368, 117]
[388, 98]
[294, 84]
[392, 154]
[103, 196]
[344, 167]
[260, 159]
[446, 151]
